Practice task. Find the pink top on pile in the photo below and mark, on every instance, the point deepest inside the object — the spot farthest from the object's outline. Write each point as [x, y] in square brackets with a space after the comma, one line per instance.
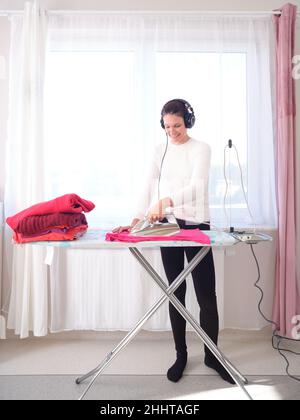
[194, 235]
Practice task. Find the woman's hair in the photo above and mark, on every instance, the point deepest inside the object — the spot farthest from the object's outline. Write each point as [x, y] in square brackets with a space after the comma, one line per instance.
[181, 108]
[174, 107]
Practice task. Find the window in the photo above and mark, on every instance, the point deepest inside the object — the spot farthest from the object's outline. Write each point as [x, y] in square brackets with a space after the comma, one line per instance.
[104, 92]
[88, 131]
[216, 86]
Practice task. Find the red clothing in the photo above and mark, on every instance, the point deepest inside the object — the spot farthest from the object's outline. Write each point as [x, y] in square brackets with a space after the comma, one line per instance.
[32, 225]
[68, 203]
[194, 235]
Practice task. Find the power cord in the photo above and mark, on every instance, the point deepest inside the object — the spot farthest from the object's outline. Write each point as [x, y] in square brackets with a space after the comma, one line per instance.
[229, 146]
[228, 220]
[275, 335]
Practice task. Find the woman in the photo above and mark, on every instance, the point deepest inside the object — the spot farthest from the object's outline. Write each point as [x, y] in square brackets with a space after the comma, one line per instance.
[181, 174]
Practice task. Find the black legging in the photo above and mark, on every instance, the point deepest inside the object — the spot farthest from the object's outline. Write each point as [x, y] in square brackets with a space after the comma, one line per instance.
[204, 284]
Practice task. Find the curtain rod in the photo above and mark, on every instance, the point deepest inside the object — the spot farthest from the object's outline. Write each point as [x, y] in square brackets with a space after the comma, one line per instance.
[151, 12]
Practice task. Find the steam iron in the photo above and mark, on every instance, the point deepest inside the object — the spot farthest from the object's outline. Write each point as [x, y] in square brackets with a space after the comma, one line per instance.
[146, 228]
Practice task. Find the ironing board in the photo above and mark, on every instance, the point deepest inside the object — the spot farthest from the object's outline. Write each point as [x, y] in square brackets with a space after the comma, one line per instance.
[95, 239]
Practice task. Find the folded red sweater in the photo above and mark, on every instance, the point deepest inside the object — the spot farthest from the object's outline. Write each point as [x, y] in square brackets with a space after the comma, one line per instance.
[54, 235]
[68, 203]
[32, 225]
[194, 235]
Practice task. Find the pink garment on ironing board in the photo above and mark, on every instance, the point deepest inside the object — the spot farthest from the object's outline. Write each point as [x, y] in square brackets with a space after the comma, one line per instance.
[194, 235]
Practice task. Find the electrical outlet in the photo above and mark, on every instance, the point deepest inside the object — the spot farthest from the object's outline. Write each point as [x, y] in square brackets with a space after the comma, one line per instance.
[250, 237]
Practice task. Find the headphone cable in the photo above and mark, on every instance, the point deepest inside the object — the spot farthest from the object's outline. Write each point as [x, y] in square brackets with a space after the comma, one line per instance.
[161, 165]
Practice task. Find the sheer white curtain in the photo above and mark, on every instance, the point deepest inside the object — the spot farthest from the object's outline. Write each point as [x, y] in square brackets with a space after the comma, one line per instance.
[25, 168]
[107, 77]
[112, 74]
[2, 317]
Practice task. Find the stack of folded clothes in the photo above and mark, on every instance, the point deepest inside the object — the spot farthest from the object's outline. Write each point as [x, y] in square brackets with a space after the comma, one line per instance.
[59, 219]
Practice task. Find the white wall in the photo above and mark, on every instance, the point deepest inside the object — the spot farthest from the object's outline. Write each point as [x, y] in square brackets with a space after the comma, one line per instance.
[152, 4]
[235, 272]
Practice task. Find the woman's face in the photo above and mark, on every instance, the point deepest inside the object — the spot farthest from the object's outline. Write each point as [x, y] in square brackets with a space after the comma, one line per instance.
[175, 128]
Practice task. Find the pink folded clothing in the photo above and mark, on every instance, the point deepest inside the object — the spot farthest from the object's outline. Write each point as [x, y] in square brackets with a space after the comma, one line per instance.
[52, 235]
[194, 235]
[68, 203]
[32, 225]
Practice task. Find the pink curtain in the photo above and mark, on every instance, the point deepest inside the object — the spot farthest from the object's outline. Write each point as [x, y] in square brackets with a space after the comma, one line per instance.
[286, 294]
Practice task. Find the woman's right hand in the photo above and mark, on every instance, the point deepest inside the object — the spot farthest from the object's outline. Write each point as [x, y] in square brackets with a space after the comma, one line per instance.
[128, 228]
[121, 229]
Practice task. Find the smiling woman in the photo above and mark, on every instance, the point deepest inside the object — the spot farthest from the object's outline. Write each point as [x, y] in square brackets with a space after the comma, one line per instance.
[183, 169]
[175, 128]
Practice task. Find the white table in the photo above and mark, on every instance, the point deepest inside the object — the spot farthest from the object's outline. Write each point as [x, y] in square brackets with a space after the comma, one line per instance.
[95, 239]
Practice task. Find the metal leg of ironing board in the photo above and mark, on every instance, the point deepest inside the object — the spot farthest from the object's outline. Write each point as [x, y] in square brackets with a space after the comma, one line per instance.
[168, 291]
[232, 370]
[126, 340]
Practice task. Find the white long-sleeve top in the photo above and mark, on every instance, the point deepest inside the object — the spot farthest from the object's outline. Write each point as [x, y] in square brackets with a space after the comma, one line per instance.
[184, 178]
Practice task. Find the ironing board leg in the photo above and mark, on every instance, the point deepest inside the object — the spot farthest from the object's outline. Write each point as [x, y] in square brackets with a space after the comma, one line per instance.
[232, 370]
[168, 291]
[111, 355]
[126, 340]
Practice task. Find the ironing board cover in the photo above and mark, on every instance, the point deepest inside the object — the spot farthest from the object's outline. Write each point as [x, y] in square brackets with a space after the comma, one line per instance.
[95, 238]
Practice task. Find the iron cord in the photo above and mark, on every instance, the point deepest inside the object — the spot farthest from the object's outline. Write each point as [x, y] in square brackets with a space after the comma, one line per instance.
[276, 328]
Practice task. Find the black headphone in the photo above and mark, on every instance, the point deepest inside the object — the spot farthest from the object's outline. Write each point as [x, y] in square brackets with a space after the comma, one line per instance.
[189, 116]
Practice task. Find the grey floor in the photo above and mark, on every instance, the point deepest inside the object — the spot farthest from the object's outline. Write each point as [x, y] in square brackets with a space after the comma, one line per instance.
[46, 368]
[149, 387]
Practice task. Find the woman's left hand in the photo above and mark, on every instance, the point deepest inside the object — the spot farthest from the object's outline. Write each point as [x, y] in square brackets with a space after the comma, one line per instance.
[158, 211]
